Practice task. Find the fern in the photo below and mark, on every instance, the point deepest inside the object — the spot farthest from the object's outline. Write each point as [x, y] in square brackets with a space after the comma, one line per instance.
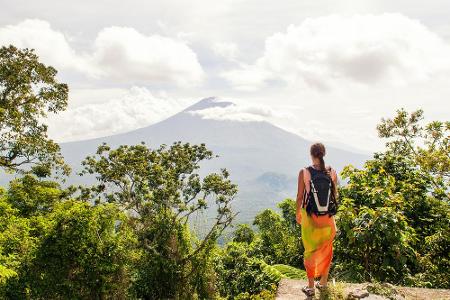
[278, 271]
[272, 272]
[290, 272]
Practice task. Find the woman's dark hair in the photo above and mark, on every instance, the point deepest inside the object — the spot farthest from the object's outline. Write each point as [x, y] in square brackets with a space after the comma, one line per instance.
[317, 150]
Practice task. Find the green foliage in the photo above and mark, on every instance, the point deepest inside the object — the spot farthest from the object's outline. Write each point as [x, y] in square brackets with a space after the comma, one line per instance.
[434, 261]
[333, 292]
[28, 91]
[82, 252]
[241, 274]
[31, 196]
[254, 262]
[426, 145]
[268, 294]
[163, 189]
[5, 274]
[373, 244]
[395, 211]
[279, 240]
[272, 272]
[290, 272]
[159, 270]
[86, 253]
[382, 289]
[18, 238]
[244, 234]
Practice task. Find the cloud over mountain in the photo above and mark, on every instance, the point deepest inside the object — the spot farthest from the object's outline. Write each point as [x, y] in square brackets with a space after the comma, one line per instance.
[241, 113]
[118, 112]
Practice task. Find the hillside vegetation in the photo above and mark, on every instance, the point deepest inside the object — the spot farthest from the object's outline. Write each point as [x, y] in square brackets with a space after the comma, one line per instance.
[128, 236]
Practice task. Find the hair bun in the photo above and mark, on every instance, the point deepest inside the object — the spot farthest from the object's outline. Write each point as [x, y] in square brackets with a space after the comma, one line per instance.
[318, 150]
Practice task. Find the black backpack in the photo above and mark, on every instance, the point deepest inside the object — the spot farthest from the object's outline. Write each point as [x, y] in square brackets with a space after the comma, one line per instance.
[321, 199]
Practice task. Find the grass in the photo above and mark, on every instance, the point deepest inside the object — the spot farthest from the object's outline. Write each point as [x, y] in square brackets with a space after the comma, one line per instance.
[332, 292]
[382, 289]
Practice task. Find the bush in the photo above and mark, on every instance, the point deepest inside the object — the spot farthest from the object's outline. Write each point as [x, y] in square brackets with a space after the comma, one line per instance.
[84, 252]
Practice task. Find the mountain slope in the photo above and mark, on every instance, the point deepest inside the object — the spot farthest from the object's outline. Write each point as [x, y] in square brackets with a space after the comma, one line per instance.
[247, 149]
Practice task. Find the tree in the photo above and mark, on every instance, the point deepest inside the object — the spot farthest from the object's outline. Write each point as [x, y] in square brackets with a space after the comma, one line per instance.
[55, 247]
[243, 234]
[29, 91]
[394, 212]
[427, 146]
[375, 240]
[19, 237]
[250, 266]
[279, 238]
[161, 189]
[11, 242]
[241, 274]
[83, 252]
[32, 196]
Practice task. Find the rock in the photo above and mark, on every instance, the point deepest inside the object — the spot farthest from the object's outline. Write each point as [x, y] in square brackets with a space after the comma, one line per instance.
[375, 297]
[290, 289]
[388, 285]
[358, 294]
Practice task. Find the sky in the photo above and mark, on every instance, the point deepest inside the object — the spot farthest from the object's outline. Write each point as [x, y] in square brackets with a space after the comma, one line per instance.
[325, 70]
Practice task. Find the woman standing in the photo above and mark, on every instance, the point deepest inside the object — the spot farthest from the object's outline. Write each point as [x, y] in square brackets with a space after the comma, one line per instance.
[316, 206]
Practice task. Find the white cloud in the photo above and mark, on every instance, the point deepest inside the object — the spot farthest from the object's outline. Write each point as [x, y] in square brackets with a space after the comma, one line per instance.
[228, 50]
[370, 49]
[118, 53]
[51, 45]
[240, 113]
[247, 77]
[124, 53]
[128, 110]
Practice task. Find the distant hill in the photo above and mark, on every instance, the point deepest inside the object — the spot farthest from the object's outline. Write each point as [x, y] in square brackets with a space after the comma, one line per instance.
[262, 158]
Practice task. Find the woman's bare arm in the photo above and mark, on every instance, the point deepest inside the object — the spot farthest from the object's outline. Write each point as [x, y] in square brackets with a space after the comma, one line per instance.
[335, 180]
[300, 191]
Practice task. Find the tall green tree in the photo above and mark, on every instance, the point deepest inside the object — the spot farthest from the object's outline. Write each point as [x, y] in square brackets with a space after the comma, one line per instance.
[161, 189]
[279, 235]
[375, 240]
[80, 252]
[426, 145]
[33, 196]
[394, 212]
[86, 254]
[243, 275]
[29, 91]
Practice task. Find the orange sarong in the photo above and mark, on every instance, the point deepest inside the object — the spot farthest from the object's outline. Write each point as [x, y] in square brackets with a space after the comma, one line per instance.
[318, 233]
